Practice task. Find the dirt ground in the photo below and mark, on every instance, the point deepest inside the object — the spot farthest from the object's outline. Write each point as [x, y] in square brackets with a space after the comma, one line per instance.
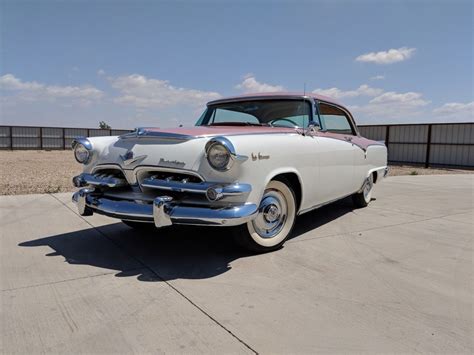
[37, 171]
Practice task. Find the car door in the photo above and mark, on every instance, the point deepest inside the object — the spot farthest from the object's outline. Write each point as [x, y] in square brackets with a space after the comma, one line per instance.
[336, 153]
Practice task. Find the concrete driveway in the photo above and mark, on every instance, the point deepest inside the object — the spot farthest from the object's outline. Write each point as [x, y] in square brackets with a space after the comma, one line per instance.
[394, 277]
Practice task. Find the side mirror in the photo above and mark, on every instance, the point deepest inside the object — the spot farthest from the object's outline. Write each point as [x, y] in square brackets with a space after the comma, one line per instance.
[313, 127]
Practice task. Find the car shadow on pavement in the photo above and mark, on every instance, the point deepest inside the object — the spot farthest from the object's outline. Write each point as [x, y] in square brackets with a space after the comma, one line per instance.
[179, 252]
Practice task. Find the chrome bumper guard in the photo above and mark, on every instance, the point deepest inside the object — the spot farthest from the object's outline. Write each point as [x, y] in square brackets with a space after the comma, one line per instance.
[163, 212]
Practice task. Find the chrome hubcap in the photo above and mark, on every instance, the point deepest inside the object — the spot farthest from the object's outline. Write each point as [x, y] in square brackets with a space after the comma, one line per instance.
[272, 214]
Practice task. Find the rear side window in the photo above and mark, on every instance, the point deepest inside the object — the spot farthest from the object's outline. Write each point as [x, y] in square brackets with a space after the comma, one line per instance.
[334, 120]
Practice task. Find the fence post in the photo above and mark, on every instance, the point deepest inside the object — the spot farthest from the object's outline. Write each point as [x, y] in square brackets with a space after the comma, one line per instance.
[387, 135]
[64, 139]
[88, 132]
[41, 138]
[428, 148]
[11, 138]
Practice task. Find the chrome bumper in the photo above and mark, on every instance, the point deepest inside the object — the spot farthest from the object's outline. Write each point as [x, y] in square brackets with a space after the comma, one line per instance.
[163, 211]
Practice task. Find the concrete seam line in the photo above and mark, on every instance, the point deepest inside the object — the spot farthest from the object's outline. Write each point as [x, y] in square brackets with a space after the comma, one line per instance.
[66, 280]
[161, 278]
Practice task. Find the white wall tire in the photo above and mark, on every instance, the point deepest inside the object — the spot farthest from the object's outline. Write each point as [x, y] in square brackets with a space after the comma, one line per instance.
[274, 222]
[363, 198]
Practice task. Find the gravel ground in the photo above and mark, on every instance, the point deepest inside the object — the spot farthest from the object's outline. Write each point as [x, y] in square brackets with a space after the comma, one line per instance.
[36, 171]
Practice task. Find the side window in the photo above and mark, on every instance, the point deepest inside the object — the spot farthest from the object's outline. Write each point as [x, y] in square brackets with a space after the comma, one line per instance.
[334, 120]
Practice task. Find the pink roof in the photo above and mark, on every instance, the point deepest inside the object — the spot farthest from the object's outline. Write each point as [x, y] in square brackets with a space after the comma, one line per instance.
[276, 95]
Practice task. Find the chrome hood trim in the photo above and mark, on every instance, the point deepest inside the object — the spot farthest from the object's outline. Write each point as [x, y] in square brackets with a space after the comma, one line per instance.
[146, 132]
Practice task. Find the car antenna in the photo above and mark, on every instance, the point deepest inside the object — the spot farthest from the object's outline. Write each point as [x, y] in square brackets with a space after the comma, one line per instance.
[304, 94]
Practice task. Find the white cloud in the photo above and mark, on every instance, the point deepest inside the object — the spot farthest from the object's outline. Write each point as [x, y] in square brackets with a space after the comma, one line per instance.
[101, 72]
[335, 93]
[250, 85]
[143, 92]
[34, 91]
[456, 108]
[387, 57]
[378, 77]
[393, 105]
[10, 82]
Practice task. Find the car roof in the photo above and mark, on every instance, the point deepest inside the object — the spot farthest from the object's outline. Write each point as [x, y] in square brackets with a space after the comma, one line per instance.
[274, 95]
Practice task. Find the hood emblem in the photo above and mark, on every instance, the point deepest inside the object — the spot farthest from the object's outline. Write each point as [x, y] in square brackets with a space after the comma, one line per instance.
[128, 158]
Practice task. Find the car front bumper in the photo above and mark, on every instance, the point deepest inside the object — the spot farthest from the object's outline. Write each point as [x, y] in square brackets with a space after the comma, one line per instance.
[163, 211]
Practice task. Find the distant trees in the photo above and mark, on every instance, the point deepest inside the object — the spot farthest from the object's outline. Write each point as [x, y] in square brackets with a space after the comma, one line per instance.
[103, 125]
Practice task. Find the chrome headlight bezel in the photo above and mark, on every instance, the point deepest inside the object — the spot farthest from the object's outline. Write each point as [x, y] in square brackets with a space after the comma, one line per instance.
[226, 145]
[217, 149]
[82, 150]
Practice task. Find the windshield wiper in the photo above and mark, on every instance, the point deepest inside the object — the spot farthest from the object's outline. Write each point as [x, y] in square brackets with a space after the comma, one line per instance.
[257, 124]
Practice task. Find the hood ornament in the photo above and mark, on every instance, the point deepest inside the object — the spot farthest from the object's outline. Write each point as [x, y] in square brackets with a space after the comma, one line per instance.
[128, 158]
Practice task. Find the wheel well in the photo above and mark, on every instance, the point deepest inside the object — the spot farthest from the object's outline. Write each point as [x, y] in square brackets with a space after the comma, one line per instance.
[295, 185]
[375, 175]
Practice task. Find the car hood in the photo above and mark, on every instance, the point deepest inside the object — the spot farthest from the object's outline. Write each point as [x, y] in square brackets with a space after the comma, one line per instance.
[181, 148]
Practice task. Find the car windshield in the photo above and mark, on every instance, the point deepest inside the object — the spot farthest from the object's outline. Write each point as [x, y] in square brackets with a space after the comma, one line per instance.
[278, 113]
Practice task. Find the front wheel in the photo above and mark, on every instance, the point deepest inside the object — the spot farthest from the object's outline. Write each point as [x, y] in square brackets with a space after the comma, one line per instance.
[274, 221]
[362, 199]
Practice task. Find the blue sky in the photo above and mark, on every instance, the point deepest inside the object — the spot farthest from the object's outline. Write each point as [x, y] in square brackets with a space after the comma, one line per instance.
[156, 63]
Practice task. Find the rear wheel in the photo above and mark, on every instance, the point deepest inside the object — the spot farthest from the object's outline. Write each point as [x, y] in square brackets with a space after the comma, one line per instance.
[362, 199]
[274, 221]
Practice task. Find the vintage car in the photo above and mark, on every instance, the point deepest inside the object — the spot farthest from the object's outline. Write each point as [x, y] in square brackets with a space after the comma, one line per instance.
[251, 162]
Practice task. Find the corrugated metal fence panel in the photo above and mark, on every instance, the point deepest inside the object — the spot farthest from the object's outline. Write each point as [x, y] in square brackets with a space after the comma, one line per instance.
[456, 155]
[5, 139]
[452, 145]
[407, 152]
[99, 132]
[52, 138]
[26, 137]
[460, 134]
[75, 132]
[377, 133]
[409, 134]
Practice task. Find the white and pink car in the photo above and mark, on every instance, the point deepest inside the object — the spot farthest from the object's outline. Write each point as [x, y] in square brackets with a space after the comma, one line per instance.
[252, 163]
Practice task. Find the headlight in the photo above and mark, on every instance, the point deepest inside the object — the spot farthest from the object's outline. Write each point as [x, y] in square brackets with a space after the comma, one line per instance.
[81, 153]
[218, 156]
[82, 149]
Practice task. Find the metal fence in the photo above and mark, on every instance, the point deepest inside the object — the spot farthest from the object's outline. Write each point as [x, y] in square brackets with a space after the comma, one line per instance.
[436, 144]
[440, 144]
[21, 137]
